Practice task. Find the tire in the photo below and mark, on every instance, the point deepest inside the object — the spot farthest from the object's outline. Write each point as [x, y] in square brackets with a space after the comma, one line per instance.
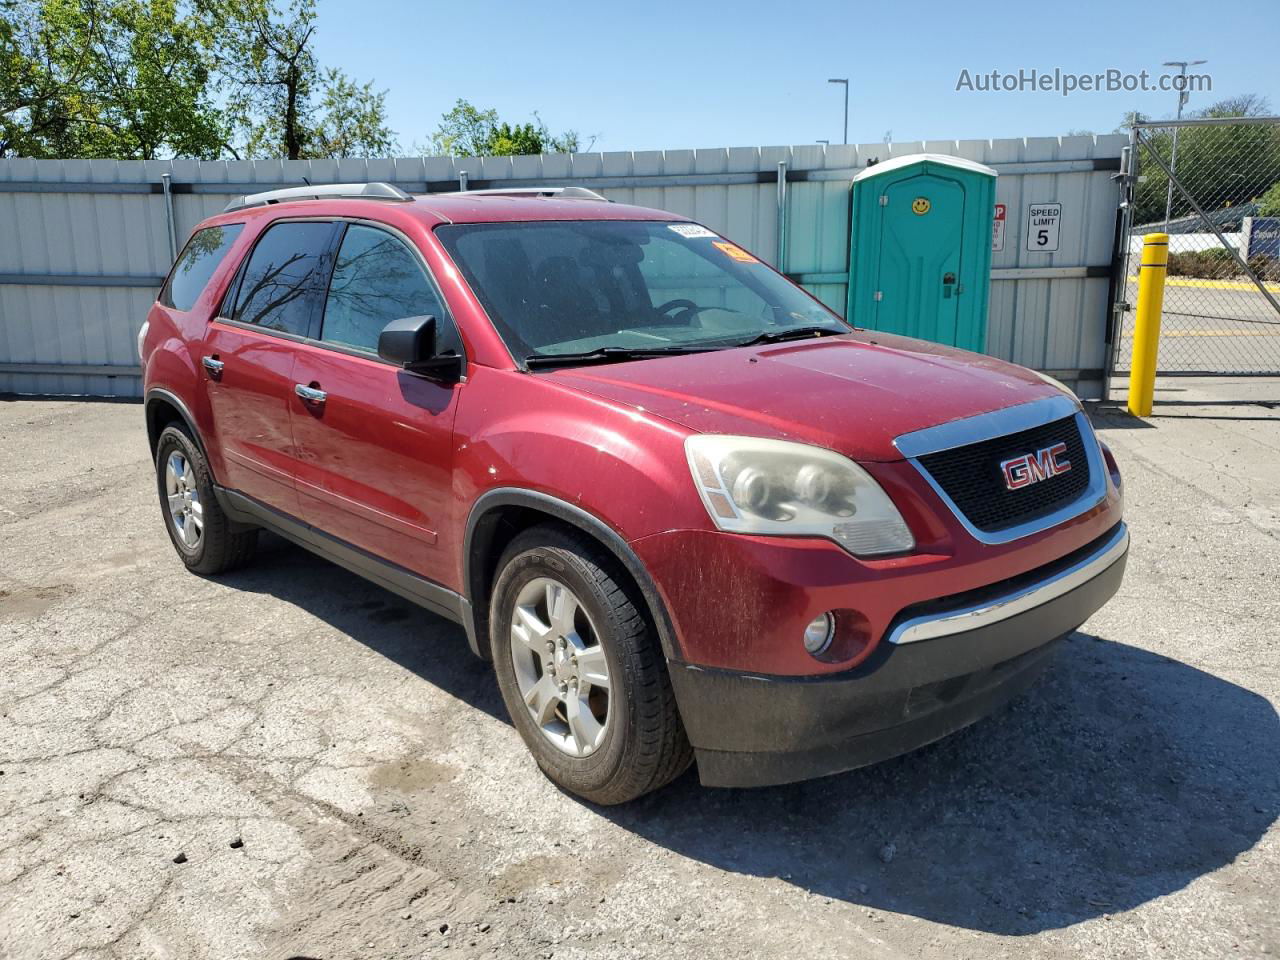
[206, 538]
[643, 745]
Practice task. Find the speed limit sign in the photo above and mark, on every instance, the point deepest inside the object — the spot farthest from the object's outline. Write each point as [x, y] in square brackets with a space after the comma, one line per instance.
[1044, 222]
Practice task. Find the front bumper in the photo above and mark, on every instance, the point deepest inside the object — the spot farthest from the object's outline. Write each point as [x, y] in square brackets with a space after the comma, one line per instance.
[945, 665]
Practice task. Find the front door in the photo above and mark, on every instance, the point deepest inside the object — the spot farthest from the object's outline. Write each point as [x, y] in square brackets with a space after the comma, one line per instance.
[374, 442]
[921, 231]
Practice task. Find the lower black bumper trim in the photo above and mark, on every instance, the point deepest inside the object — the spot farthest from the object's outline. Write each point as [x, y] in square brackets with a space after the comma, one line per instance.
[752, 731]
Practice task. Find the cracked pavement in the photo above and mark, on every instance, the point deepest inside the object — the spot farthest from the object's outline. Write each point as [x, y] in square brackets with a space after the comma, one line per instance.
[289, 762]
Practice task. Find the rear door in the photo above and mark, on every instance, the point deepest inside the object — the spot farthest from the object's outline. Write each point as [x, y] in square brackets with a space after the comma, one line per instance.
[375, 444]
[250, 349]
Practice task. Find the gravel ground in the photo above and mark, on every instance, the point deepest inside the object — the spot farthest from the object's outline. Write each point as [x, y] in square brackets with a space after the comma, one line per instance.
[288, 762]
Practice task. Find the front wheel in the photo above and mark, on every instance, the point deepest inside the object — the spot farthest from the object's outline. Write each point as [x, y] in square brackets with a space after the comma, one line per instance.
[580, 670]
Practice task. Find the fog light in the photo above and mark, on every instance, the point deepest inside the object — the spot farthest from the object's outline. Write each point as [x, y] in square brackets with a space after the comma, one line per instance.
[818, 634]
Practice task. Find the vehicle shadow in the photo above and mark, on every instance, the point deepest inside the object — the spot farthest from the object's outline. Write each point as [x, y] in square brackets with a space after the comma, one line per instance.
[419, 641]
[1121, 777]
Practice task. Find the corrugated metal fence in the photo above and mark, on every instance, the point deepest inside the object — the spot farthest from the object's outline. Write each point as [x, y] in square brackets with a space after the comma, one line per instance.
[84, 244]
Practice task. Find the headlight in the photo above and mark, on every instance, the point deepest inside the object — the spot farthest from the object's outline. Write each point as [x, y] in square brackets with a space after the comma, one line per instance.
[777, 488]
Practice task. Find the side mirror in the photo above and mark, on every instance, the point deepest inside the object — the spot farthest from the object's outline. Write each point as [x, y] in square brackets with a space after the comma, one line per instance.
[410, 342]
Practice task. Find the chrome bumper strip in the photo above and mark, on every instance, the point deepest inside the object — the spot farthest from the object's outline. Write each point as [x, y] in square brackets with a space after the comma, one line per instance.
[1018, 601]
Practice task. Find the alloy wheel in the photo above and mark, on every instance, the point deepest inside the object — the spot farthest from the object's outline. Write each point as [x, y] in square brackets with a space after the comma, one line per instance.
[185, 510]
[560, 667]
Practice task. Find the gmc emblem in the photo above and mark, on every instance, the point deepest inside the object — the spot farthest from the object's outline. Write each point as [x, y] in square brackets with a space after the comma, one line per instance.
[1031, 468]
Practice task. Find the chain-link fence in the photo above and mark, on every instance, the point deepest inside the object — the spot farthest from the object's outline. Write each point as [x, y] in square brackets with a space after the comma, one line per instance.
[1213, 185]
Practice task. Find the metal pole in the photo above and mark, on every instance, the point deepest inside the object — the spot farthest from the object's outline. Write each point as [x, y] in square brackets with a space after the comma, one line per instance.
[844, 81]
[462, 181]
[1173, 165]
[846, 113]
[168, 215]
[781, 265]
[1173, 156]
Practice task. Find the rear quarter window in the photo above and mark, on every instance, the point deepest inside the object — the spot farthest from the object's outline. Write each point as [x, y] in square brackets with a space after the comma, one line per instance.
[195, 265]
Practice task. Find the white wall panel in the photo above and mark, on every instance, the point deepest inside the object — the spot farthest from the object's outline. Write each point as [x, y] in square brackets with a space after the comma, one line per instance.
[1056, 324]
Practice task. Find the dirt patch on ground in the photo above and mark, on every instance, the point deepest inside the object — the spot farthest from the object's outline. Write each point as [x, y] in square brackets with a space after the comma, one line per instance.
[19, 603]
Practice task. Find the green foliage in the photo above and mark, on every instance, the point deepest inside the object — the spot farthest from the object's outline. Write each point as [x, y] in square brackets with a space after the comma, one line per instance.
[282, 102]
[352, 119]
[470, 132]
[129, 79]
[1269, 204]
[140, 79]
[1221, 166]
[1266, 268]
[1218, 263]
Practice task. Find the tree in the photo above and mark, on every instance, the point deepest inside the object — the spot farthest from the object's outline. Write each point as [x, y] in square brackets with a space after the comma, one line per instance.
[140, 79]
[1220, 166]
[282, 102]
[128, 79]
[353, 120]
[1269, 205]
[468, 131]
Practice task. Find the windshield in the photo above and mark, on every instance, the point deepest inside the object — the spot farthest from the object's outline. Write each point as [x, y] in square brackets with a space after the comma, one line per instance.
[569, 287]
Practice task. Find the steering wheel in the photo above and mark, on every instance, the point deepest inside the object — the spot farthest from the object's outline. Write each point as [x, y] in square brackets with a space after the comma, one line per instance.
[688, 309]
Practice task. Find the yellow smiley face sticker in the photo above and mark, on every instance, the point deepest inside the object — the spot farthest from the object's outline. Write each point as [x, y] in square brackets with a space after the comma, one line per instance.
[920, 206]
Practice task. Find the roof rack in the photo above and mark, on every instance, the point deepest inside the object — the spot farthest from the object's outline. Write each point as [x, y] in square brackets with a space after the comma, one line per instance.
[364, 191]
[560, 193]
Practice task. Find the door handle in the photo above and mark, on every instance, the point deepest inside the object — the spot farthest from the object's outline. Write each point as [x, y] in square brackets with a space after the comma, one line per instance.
[213, 365]
[310, 394]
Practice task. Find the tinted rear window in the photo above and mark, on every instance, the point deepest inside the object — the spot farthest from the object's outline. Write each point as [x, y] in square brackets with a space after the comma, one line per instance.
[284, 281]
[201, 256]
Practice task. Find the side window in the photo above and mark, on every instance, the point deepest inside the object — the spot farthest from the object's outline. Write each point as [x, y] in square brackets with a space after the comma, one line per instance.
[376, 279]
[195, 265]
[283, 283]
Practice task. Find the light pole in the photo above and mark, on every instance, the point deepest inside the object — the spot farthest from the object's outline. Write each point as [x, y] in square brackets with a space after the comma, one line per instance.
[1173, 157]
[845, 81]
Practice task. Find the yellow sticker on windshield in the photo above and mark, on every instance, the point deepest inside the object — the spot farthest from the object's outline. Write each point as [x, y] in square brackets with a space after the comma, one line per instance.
[735, 253]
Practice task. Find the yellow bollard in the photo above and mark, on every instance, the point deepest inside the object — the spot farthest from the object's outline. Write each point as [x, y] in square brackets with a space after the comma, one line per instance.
[1146, 335]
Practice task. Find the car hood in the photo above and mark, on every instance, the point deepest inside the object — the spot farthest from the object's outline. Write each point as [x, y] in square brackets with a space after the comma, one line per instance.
[853, 393]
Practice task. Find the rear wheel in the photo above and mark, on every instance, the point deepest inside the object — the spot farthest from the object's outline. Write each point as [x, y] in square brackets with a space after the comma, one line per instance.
[580, 670]
[206, 539]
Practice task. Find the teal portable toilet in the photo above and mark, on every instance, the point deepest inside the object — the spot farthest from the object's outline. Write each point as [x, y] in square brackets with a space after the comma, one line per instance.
[920, 248]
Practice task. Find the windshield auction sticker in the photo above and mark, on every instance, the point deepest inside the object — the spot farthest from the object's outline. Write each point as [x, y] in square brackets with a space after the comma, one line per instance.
[692, 231]
[734, 253]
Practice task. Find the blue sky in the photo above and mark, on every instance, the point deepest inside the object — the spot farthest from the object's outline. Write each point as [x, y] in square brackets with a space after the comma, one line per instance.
[656, 74]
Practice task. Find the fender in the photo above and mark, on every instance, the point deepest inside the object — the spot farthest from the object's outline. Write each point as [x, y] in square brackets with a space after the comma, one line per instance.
[481, 523]
[158, 393]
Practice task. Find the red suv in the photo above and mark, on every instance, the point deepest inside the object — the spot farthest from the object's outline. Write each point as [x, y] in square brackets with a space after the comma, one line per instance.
[686, 510]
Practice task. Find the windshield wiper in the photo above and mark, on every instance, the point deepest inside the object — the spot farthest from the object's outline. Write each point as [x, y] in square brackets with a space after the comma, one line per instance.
[607, 355]
[791, 333]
